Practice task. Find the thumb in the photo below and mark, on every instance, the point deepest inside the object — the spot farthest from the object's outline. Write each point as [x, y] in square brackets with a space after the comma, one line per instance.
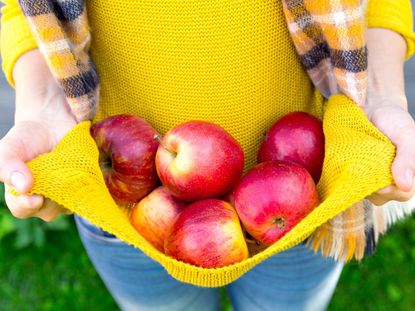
[13, 170]
[403, 167]
[25, 141]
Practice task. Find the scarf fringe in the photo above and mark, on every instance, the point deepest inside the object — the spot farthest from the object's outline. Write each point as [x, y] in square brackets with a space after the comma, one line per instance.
[394, 211]
[340, 240]
[339, 247]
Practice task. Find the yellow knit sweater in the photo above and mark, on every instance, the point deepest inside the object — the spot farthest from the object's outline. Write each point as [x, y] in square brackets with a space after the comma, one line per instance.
[230, 62]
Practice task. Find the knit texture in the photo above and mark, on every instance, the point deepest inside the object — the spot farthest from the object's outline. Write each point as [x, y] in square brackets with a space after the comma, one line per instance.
[357, 163]
[231, 63]
[329, 37]
[16, 38]
[393, 15]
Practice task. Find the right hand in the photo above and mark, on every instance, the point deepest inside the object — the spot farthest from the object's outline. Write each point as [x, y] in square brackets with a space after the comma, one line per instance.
[42, 118]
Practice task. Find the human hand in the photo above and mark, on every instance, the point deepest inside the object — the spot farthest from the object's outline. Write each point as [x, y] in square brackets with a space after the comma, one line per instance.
[391, 117]
[386, 106]
[42, 118]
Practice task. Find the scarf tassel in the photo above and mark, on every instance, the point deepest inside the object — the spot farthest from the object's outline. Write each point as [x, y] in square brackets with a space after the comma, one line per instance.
[354, 233]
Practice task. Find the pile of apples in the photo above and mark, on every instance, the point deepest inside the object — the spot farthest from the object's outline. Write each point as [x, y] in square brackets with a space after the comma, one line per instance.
[186, 189]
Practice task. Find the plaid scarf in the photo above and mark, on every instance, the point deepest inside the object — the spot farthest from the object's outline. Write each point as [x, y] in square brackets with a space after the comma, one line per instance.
[62, 33]
[330, 39]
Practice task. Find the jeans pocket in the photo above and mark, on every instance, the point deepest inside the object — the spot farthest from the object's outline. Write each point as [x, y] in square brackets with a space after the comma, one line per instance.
[94, 232]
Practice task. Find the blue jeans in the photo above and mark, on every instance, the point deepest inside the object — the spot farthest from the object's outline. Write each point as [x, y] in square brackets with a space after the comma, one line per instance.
[297, 279]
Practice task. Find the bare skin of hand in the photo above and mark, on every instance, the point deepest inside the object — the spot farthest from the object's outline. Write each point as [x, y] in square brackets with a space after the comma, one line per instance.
[387, 108]
[42, 118]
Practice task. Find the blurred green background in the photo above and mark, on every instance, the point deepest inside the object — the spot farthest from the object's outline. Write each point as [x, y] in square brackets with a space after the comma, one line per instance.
[43, 266]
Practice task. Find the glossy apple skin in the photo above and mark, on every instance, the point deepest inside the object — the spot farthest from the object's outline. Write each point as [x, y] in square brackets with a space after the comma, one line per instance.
[127, 149]
[198, 160]
[153, 217]
[207, 234]
[297, 137]
[273, 197]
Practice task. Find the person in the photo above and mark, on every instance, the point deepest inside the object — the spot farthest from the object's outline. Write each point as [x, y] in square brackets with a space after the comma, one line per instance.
[211, 81]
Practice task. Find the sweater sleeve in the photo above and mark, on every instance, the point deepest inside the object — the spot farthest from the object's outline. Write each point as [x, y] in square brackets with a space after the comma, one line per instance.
[16, 37]
[395, 15]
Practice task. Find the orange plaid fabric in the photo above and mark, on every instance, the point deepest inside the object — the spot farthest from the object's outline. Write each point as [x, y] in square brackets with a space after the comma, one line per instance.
[63, 36]
[330, 39]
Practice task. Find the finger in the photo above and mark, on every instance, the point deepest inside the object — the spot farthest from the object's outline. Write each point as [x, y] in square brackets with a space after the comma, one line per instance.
[391, 193]
[49, 211]
[23, 206]
[13, 170]
[386, 190]
[394, 193]
[18, 147]
[403, 167]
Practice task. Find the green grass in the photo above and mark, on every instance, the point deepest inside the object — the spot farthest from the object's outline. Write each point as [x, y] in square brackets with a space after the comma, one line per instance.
[59, 276]
[384, 281]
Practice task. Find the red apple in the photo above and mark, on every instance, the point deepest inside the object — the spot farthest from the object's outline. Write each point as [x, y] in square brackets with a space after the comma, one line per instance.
[207, 234]
[198, 160]
[297, 137]
[273, 197]
[154, 216]
[127, 149]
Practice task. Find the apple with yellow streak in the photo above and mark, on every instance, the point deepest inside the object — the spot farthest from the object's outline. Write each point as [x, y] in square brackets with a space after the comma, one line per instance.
[207, 234]
[154, 216]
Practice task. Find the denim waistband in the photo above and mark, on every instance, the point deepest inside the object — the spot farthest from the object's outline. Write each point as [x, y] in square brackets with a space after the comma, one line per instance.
[93, 228]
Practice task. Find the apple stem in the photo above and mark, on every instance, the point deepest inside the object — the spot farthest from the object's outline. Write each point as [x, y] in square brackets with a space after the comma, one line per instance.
[279, 222]
[160, 141]
[252, 241]
[158, 138]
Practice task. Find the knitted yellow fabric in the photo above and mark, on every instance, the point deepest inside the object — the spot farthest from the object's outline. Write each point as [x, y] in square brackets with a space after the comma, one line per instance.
[16, 37]
[357, 163]
[229, 62]
[393, 14]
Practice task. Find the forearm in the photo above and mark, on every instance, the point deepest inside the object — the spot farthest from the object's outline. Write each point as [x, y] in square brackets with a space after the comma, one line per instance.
[36, 88]
[32, 75]
[386, 57]
[387, 108]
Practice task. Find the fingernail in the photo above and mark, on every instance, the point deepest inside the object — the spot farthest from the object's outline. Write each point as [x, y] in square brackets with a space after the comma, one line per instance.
[18, 181]
[409, 177]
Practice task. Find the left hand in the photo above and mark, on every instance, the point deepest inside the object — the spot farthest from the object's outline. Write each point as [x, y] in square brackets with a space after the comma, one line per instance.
[387, 108]
[390, 117]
